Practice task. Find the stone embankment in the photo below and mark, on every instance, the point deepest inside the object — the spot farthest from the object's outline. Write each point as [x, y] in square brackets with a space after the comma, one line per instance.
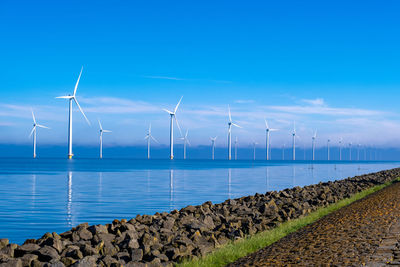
[165, 238]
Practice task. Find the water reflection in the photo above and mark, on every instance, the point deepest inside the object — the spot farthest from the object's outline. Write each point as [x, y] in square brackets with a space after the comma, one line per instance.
[33, 191]
[69, 201]
[171, 189]
[229, 182]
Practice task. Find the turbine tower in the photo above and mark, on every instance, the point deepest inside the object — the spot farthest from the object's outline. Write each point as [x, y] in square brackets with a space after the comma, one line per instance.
[236, 142]
[358, 152]
[340, 148]
[185, 142]
[33, 132]
[101, 138]
[72, 98]
[213, 139]
[171, 130]
[267, 141]
[294, 135]
[350, 150]
[148, 137]
[254, 150]
[313, 145]
[328, 148]
[230, 123]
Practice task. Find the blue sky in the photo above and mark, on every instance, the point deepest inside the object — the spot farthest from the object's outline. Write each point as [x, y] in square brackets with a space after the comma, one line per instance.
[328, 65]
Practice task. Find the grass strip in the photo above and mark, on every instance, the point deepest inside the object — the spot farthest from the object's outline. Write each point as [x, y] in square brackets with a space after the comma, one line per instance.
[240, 248]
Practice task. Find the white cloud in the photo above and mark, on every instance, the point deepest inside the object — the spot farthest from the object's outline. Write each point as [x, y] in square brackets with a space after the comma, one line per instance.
[314, 102]
[164, 78]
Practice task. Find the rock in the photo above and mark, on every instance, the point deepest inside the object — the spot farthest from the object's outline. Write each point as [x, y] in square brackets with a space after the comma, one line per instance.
[8, 250]
[68, 261]
[28, 258]
[53, 242]
[25, 249]
[12, 263]
[137, 254]
[85, 234]
[97, 229]
[87, 261]
[47, 254]
[72, 252]
[3, 242]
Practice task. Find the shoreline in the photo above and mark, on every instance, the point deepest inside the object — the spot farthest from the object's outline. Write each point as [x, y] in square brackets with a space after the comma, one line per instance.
[192, 232]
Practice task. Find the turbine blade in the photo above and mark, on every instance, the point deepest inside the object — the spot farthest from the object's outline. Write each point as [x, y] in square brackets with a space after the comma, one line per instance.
[186, 134]
[155, 140]
[234, 124]
[177, 124]
[42, 126]
[187, 140]
[65, 97]
[33, 129]
[266, 124]
[83, 113]
[166, 110]
[107, 131]
[101, 127]
[273, 130]
[229, 113]
[77, 82]
[33, 116]
[177, 105]
[146, 137]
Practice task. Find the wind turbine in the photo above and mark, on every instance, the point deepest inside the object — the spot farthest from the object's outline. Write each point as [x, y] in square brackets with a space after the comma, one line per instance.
[350, 150]
[185, 141]
[294, 135]
[358, 152]
[340, 148]
[313, 144]
[101, 138]
[33, 132]
[148, 137]
[267, 141]
[236, 142]
[254, 150]
[73, 98]
[230, 123]
[328, 148]
[171, 130]
[283, 152]
[213, 139]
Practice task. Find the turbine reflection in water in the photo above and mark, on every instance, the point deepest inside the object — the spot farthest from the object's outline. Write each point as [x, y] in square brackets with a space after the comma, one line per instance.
[69, 202]
[171, 189]
[229, 182]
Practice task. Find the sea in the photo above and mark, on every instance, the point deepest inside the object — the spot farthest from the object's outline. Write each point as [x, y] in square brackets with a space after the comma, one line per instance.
[54, 195]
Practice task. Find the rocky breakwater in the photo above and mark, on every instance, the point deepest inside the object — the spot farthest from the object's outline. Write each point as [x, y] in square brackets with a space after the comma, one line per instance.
[165, 238]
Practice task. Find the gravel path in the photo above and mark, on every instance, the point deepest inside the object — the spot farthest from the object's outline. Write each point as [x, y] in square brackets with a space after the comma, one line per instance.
[367, 232]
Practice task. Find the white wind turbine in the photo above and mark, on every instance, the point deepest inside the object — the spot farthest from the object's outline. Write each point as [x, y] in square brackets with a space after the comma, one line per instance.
[236, 142]
[148, 137]
[267, 141]
[254, 150]
[350, 151]
[328, 148]
[33, 132]
[185, 142]
[101, 138]
[73, 98]
[340, 148]
[313, 145]
[213, 139]
[230, 123]
[171, 130]
[294, 135]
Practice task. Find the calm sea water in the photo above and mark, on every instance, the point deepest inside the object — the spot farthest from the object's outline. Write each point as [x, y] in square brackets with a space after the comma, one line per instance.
[46, 195]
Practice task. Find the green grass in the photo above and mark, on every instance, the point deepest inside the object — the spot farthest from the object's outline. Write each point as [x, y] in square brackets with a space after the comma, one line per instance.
[235, 250]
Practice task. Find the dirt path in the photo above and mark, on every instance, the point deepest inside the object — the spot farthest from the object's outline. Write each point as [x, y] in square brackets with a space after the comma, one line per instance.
[367, 232]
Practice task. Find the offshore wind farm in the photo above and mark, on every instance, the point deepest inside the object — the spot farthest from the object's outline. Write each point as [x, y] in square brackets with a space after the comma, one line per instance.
[156, 133]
